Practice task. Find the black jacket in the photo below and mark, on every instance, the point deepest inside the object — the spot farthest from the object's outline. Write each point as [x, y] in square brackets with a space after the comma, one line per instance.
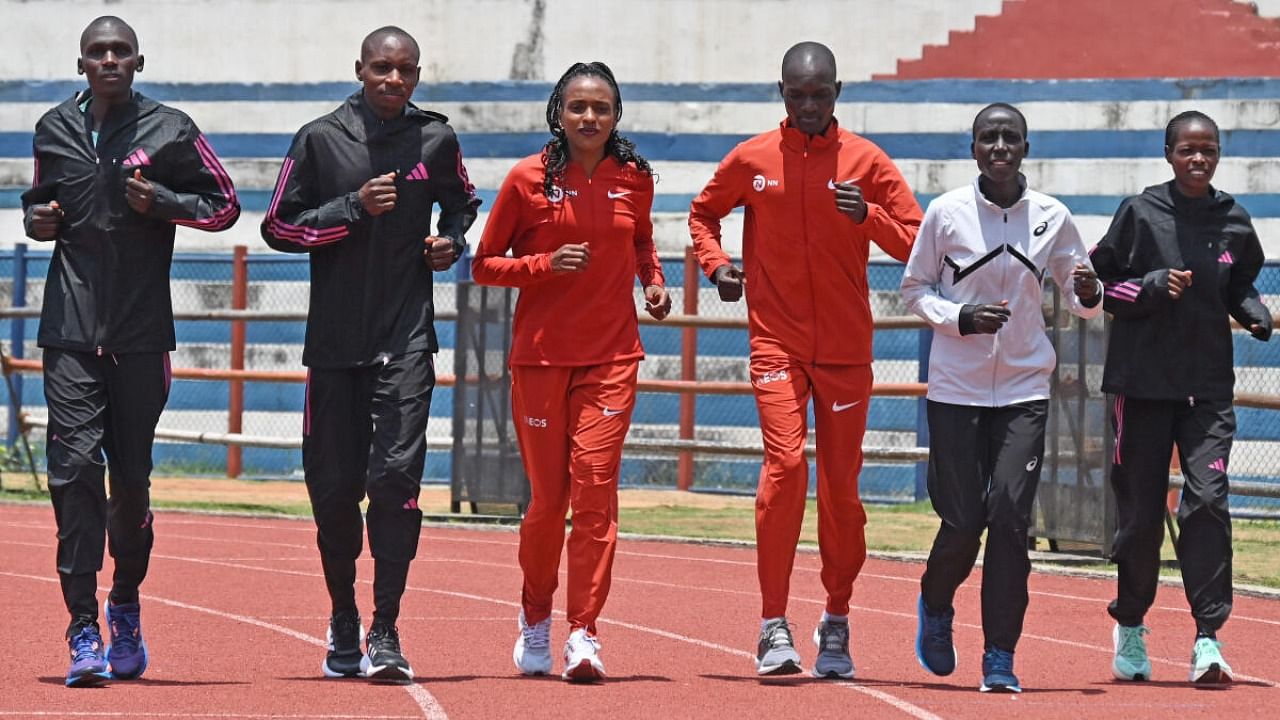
[1166, 349]
[370, 286]
[108, 284]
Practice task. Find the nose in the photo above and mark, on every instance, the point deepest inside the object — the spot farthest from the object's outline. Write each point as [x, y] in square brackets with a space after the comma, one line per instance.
[394, 77]
[109, 58]
[589, 116]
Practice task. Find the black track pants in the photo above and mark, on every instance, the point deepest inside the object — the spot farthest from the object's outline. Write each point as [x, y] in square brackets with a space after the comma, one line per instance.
[1146, 432]
[103, 411]
[365, 433]
[984, 466]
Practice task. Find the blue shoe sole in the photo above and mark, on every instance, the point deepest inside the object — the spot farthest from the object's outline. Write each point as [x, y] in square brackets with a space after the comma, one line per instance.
[146, 658]
[88, 680]
[999, 688]
[920, 642]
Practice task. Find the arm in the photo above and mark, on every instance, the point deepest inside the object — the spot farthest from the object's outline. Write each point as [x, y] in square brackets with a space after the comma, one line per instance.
[201, 195]
[41, 215]
[648, 267]
[297, 221]
[923, 275]
[491, 265]
[456, 195]
[720, 196]
[1126, 292]
[893, 215]
[1069, 264]
[1243, 301]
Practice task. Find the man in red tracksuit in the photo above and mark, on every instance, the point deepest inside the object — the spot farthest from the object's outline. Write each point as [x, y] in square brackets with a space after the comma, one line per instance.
[816, 196]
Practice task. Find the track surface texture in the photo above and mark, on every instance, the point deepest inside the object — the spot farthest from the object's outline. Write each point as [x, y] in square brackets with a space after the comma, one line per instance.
[234, 612]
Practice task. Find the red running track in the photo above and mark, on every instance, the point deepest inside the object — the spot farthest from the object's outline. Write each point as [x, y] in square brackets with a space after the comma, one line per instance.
[235, 615]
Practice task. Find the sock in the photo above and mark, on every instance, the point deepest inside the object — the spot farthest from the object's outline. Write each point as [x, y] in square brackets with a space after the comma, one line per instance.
[766, 621]
[828, 617]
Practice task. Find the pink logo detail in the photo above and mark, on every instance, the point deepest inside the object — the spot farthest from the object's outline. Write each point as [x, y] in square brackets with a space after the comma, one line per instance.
[411, 504]
[146, 522]
[1220, 465]
[1226, 258]
[137, 158]
[419, 172]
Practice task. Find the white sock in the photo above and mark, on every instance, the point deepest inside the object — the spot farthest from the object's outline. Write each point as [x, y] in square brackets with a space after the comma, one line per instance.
[828, 617]
[766, 621]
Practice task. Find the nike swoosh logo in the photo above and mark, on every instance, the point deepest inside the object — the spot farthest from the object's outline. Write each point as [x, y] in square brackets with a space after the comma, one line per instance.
[615, 195]
[837, 407]
[831, 184]
[611, 413]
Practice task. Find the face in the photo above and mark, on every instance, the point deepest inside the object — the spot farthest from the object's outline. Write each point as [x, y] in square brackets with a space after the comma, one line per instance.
[108, 59]
[389, 72]
[588, 115]
[999, 145]
[1194, 157]
[809, 94]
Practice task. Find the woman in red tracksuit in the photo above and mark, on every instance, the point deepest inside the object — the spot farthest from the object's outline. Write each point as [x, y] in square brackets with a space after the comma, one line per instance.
[575, 219]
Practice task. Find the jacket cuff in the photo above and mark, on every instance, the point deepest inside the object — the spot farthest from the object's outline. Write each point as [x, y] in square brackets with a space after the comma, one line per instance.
[1097, 297]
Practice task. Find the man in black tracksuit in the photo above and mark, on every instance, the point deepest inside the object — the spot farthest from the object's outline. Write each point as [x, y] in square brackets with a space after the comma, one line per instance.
[115, 173]
[356, 191]
[1177, 261]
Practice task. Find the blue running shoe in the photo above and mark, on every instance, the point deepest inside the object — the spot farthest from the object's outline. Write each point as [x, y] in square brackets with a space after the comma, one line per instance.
[88, 666]
[997, 672]
[128, 652]
[934, 648]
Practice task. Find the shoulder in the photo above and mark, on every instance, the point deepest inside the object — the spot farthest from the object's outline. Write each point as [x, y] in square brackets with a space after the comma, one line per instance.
[951, 202]
[1047, 203]
[851, 142]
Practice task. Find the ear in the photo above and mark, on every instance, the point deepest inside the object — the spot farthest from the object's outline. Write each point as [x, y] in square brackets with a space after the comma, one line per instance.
[838, 86]
[973, 153]
[360, 71]
[79, 66]
[1026, 149]
[141, 60]
[780, 90]
[1168, 154]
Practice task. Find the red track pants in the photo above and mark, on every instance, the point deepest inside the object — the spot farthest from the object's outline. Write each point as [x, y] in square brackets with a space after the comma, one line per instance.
[840, 396]
[571, 422]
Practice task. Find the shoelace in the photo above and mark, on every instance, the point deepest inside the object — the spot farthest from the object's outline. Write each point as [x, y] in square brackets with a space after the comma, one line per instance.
[385, 640]
[86, 645]
[1132, 647]
[537, 636]
[124, 634]
[834, 638]
[346, 630]
[780, 635]
[999, 661]
[938, 628]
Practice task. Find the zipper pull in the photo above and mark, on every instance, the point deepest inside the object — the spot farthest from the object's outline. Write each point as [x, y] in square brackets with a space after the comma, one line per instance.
[99, 351]
[1191, 401]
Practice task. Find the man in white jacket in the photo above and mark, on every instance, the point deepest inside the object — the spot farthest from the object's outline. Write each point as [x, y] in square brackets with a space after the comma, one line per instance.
[975, 275]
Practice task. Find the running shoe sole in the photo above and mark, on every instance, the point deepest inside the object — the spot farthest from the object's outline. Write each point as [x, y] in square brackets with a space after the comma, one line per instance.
[583, 672]
[1215, 675]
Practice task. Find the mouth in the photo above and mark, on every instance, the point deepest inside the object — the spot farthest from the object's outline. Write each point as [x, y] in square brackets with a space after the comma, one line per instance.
[589, 131]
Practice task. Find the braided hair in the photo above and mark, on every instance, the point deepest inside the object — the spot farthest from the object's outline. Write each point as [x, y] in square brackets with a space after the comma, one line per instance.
[555, 154]
[1186, 118]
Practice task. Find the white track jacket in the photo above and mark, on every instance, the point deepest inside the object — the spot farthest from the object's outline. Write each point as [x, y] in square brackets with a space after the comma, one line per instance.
[972, 251]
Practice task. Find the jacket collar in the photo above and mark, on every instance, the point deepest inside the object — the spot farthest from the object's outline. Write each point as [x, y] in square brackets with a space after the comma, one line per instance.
[982, 199]
[801, 141]
[359, 120]
[126, 114]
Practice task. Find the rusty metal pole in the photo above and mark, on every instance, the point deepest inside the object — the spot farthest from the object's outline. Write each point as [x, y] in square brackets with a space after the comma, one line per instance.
[235, 403]
[688, 369]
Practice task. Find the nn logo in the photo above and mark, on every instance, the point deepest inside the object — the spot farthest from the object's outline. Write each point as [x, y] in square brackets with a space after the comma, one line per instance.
[760, 182]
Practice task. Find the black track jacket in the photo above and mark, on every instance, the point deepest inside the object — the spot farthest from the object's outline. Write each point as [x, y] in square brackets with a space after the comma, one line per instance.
[1165, 349]
[370, 285]
[108, 284]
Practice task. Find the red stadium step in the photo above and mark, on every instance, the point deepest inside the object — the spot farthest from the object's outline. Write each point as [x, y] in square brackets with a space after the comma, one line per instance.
[1051, 39]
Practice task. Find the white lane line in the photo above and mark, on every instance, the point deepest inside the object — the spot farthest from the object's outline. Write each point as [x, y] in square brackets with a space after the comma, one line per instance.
[431, 709]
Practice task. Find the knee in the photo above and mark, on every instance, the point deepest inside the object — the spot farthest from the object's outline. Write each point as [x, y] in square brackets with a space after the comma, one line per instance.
[67, 462]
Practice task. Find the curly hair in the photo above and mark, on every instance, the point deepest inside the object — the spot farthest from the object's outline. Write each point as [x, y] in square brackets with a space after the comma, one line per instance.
[555, 154]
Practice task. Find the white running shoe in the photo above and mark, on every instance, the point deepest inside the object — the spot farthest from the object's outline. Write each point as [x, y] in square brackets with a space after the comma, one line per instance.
[1207, 665]
[532, 653]
[582, 657]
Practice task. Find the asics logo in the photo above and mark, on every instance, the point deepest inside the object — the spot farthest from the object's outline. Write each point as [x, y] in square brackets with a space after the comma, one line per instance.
[615, 194]
[611, 413]
[1032, 465]
[841, 407]
[1041, 228]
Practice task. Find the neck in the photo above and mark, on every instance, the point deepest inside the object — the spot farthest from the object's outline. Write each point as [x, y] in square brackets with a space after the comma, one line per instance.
[102, 105]
[1191, 192]
[589, 162]
[1004, 193]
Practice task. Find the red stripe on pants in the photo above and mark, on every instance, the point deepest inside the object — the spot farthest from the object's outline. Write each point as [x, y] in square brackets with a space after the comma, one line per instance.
[571, 422]
[840, 396]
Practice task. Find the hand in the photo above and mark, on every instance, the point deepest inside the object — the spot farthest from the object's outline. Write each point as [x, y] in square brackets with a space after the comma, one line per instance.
[46, 220]
[378, 195]
[1179, 280]
[990, 318]
[570, 258]
[139, 192]
[438, 252]
[657, 302]
[849, 201]
[729, 282]
[1086, 282]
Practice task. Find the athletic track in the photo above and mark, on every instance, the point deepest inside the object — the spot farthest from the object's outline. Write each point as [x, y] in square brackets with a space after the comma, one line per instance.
[235, 615]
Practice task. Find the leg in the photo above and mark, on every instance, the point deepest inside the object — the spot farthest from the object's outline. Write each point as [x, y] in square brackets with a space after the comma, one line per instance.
[841, 395]
[959, 469]
[76, 393]
[335, 453]
[538, 399]
[1205, 433]
[400, 409]
[137, 389]
[601, 399]
[1140, 479]
[782, 392]
[1016, 450]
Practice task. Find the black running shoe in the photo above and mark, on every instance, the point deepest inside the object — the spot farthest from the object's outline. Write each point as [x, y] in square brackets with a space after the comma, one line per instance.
[382, 659]
[345, 636]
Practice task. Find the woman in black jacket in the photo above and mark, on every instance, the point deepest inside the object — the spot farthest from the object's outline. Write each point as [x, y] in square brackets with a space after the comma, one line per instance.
[1178, 262]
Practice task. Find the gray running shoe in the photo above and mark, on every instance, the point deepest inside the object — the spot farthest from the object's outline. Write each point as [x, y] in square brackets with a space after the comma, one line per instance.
[832, 639]
[776, 652]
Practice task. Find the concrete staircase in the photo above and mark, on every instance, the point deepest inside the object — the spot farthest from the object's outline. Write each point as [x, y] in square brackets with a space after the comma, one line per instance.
[1052, 39]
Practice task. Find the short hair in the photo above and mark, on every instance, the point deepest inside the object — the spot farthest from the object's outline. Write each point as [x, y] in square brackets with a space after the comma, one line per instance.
[371, 40]
[812, 52]
[1001, 106]
[1183, 119]
[108, 20]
